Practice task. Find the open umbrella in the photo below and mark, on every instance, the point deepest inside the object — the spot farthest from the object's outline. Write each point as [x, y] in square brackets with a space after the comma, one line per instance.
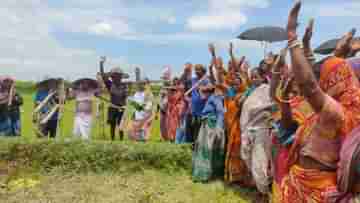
[265, 34]
[93, 84]
[329, 46]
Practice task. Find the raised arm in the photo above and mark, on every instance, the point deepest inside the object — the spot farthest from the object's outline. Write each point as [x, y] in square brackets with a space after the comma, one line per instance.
[301, 68]
[286, 114]
[276, 73]
[104, 77]
[307, 42]
[231, 53]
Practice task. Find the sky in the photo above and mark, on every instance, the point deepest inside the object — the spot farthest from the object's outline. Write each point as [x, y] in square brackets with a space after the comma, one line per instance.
[65, 38]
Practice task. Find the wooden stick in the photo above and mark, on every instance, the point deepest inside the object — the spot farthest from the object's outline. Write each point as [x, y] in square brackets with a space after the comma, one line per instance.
[48, 116]
[11, 94]
[197, 84]
[43, 103]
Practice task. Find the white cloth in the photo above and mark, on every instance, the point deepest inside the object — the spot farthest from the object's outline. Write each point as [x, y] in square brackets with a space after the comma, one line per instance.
[139, 97]
[82, 126]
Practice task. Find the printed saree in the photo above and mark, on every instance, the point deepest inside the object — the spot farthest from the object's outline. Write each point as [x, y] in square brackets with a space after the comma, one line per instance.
[209, 152]
[235, 168]
[326, 128]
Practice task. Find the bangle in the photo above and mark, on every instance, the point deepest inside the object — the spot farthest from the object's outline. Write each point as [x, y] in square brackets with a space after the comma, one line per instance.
[294, 43]
[311, 58]
[276, 72]
[284, 101]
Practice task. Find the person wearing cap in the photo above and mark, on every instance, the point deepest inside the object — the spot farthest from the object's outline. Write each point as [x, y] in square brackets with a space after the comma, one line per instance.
[118, 91]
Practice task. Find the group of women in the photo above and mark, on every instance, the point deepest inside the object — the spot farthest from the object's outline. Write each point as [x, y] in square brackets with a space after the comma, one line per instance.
[290, 130]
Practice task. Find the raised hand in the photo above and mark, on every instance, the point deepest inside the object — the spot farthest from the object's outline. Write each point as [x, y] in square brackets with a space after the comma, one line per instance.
[212, 50]
[231, 48]
[287, 87]
[343, 46]
[293, 22]
[308, 33]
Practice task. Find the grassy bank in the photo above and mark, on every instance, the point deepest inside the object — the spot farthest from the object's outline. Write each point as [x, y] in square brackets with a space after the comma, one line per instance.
[75, 171]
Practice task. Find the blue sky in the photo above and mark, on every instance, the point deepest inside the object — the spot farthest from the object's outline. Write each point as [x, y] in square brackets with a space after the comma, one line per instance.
[66, 37]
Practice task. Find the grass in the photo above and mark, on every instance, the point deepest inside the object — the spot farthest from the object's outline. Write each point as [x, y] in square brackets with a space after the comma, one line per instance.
[67, 170]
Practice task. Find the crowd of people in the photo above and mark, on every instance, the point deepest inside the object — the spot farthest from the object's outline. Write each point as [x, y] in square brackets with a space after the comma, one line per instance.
[287, 128]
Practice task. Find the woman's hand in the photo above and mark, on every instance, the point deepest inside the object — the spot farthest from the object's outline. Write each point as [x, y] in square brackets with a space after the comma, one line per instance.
[292, 22]
[308, 33]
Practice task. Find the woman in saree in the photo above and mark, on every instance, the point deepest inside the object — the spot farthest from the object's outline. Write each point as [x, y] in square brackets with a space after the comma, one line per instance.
[335, 100]
[293, 110]
[163, 103]
[176, 106]
[236, 83]
[209, 151]
[140, 125]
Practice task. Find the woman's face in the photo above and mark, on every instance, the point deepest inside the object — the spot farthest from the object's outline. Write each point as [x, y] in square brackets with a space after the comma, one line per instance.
[199, 72]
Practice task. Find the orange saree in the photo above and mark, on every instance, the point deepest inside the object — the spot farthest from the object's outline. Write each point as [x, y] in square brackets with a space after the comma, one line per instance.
[319, 138]
[235, 168]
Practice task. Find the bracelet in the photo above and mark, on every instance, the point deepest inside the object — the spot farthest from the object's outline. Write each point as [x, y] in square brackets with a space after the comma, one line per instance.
[311, 58]
[294, 43]
[284, 101]
[276, 72]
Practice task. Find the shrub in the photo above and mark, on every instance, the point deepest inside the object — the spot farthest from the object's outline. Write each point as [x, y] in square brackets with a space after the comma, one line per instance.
[96, 156]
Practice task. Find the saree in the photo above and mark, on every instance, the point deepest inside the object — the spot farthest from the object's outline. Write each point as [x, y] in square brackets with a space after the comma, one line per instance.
[255, 138]
[163, 106]
[325, 128]
[280, 150]
[209, 152]
[236, 170]
[348, 171]
[176, 107]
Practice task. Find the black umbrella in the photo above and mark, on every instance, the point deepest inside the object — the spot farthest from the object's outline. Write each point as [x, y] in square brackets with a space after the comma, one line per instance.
[265, 34]
[329, 46]
[93, 84]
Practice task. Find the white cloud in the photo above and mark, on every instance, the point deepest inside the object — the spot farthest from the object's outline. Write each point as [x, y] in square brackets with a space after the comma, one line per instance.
[216, 22]
[225, 14]
[171, 20]
[101, 28]
[29, 50]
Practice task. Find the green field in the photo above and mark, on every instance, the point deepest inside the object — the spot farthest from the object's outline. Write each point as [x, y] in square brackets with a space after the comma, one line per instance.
[72, 171]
